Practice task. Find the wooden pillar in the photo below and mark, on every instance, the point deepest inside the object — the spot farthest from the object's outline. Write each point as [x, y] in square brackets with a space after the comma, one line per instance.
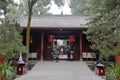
[80, 46]
[42, 46]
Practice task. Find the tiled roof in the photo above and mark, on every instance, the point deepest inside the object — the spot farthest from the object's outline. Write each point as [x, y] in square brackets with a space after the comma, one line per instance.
[55, 21]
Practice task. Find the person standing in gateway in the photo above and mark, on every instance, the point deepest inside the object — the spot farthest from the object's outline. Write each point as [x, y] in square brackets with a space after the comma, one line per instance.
[57, 55]
[71, 54]
[52, 55]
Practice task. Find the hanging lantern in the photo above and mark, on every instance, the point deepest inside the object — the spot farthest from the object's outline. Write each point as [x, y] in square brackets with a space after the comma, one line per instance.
[72, 38]
[51, 38]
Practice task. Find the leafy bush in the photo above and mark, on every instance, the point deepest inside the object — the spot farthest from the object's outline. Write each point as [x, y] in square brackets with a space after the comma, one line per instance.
[109, 77]
[7, 71]
[115, 71]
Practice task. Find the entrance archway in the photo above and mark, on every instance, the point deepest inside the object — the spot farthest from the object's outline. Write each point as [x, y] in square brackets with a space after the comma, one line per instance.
[62, 40]
[41, 45]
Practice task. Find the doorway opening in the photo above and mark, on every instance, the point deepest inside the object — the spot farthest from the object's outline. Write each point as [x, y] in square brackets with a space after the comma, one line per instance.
[63, 46]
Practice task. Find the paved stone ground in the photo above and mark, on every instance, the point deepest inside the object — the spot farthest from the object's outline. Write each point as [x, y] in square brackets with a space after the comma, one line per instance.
[63, 70]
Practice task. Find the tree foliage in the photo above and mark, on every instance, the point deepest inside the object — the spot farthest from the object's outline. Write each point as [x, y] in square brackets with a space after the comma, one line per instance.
[10, 32]
[104, 28]
[11, 40]
[4, 4]
[40, 7]
[59, 2]
[78, 6]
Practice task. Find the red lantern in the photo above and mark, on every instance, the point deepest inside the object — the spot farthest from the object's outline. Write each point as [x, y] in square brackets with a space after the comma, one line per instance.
[102, 72]
[51, 38]
[20, 70]
[72, 38]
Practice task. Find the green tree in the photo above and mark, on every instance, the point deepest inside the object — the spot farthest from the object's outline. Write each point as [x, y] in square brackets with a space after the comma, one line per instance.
[59, 2]
[40, 7]
[103, 31]
[32, 3]
[11, 41]
[79, 6]
[4, 4]
[30, 7]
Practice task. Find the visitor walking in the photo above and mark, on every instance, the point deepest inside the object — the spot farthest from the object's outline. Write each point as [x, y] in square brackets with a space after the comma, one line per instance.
[71, 54]
[52, 55]
[68, 54]
[57, 55]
